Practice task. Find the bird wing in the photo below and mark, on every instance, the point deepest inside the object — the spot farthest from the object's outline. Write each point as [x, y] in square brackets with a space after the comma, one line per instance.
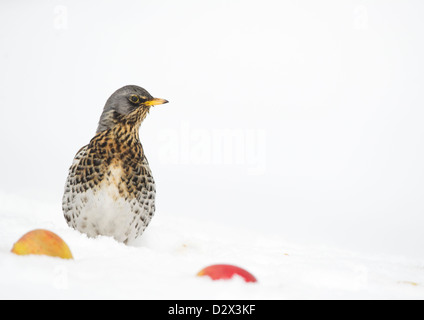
[81, 152]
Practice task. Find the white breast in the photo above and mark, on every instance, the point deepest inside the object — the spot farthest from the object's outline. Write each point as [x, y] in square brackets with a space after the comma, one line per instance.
[103, 211]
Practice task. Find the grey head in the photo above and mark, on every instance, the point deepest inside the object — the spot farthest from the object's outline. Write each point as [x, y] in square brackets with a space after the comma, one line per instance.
[123, 102]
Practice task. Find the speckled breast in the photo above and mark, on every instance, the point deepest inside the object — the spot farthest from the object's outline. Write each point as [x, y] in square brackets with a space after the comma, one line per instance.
[110, 188]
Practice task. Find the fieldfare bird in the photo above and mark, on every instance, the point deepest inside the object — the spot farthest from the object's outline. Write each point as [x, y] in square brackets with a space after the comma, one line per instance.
[110, 188]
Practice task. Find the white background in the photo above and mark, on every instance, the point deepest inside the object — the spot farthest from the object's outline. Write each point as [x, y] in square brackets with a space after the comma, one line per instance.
[320, 105]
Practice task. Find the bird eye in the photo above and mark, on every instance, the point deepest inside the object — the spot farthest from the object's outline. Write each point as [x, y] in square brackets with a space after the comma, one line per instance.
[134, 98]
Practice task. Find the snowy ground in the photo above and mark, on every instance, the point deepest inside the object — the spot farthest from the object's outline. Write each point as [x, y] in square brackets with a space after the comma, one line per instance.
[163, 264]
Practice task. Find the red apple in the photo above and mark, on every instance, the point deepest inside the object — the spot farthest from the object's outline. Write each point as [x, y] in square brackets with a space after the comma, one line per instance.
[226, 271]
[42, 242]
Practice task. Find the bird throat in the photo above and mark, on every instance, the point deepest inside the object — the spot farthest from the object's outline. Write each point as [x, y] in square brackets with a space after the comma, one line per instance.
[120, 142]
[133, 119]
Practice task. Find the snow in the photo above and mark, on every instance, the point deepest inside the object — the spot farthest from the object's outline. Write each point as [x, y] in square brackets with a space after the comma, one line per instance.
[163, 263]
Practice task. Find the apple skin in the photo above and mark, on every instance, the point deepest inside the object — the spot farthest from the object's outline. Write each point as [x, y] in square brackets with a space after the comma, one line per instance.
[226, 271]
[42, 242]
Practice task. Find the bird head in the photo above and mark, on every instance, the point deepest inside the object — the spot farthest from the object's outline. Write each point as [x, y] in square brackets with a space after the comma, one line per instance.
[129, 101]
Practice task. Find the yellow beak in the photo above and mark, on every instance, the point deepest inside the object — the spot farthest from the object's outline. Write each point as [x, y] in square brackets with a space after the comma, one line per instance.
[155, 102]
